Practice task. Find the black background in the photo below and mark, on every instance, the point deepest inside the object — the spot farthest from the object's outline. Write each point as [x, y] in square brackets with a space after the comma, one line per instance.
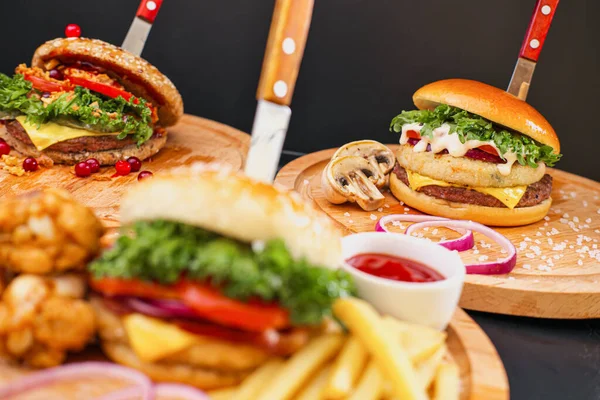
[363, 61]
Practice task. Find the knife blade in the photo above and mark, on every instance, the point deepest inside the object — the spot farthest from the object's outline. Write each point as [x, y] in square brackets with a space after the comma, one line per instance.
[140, 27]
[531, 48]
[283, 55]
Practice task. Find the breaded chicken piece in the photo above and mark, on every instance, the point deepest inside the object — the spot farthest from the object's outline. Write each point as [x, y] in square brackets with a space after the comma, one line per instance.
[47, 231]
[42, 318]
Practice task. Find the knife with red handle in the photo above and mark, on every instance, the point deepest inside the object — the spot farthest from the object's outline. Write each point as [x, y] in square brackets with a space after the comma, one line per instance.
[532, 46]
[140, 27]
[283, 55]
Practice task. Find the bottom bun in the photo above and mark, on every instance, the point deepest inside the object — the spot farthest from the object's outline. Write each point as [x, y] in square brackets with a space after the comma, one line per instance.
[495, 216]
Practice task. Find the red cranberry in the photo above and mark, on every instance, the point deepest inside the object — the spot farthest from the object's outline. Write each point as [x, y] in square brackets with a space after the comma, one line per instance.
[94, 165]
[30, 164]
[4, 148]
[135, 164]
[143, 175]
[72, 30]
[83, 169]
[123, 167]
[56, 74]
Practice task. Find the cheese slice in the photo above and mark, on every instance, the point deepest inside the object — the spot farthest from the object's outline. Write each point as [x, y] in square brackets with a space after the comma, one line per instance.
[48, 134]
[152, 339]
[509, 196]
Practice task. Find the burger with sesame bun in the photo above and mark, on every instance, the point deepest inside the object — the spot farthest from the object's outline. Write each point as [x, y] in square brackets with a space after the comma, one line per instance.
[472, 151]
[209, 281]
[84, 98]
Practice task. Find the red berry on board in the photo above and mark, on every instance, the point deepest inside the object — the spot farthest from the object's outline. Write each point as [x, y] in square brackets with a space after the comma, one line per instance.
[83, 169]
[72, 30]
[94, 165]
[123, 167]
[4, 148]
[135, 163]
[30, 164]
[143, 175]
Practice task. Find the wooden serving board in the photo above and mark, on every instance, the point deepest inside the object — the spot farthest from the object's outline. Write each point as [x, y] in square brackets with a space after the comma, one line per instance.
[192, 139]
[482, 373]
[558, 261]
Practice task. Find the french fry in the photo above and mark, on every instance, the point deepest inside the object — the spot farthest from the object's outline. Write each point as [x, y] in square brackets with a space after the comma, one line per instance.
[363, 321]
[314, 389]
[346, 369]
[426, 370]
[222, 394]
[253, 384]
[447, 382]
[421, 342]
[370, 384]
[297, 370]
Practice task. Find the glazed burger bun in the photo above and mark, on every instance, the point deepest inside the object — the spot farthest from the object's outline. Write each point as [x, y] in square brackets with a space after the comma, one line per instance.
[214, 198]
[490, 103]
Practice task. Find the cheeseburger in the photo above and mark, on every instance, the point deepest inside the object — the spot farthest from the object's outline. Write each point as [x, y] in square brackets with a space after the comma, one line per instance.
[474, 152]
[84, 98]
[213, 276]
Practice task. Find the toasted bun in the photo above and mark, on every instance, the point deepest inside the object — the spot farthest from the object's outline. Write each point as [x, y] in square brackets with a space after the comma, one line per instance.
[214, 198]
[136, 74]
[490, 103]
[494, 216]
[107, 157]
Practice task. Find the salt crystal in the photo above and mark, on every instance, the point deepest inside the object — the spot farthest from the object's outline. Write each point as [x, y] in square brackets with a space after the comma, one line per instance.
[475, 251]
[483, 258]
[350, 221]
[511, 278]
[386, 205]
[346, 214]
[575, 219]
[579, 262]
[546, 218]
[380, 209]
[588, 221]
[538, 234]
[545, 224]
[585, 203]
[373, 217]
[565, 215]
[527, 266]
[406, 209]
[434, 232]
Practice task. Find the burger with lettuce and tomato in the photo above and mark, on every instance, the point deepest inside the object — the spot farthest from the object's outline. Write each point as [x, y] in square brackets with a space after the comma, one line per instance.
[213, 274]
[84, 98]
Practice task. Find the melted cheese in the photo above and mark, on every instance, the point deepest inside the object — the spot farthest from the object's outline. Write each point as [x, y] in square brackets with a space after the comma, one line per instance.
[509, 196]
[48, 134]
[152, 339]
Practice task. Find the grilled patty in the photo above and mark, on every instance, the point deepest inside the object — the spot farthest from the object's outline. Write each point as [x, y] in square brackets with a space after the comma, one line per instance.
[535, 193]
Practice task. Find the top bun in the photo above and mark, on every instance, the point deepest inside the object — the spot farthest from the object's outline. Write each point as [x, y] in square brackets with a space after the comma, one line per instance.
[212, 197]
[490, 103]
[137, 75]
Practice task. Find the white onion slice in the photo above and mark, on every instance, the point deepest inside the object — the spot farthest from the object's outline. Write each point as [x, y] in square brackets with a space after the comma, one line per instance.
[175, 390]
[465, 242]
[502, 266]
[75, 371]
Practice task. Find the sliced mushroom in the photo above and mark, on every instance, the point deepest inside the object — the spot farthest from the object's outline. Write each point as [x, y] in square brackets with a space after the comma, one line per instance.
[378, 155]
[350, 178]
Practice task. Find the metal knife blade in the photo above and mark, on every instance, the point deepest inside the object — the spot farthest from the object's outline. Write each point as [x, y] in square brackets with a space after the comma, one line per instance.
[136, 36]
[268, 134]
[521, 78]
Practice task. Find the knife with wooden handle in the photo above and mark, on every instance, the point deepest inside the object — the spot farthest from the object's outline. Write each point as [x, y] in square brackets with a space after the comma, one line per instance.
[532, 46]
[283, 55]
[140, 27]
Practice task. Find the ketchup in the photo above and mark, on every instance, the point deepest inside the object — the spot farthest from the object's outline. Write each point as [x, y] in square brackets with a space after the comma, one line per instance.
[394, 268]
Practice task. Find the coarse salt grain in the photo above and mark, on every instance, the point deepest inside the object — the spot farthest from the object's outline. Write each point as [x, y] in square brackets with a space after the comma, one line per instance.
[579, 262]
[511, 278]
[373, 217]
[346, 214]
[575, 219]
[380, 209]
[386, 205]
[527, 266]
[565, 215]
[546, 218]
[483, 258]
[350, 221]
[588, 221]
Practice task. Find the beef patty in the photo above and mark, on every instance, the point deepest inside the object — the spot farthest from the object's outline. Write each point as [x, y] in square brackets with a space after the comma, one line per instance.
[535, 193]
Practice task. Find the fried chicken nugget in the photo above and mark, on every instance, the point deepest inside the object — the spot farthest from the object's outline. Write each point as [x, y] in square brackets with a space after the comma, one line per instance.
[42, 318]
[47, 231]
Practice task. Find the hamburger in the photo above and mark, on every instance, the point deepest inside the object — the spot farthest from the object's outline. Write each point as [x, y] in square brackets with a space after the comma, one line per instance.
[213, 276]
[472, 151]
[84, 98]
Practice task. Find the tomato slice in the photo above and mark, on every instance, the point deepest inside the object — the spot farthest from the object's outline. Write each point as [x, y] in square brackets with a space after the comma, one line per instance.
[44, 85]
[215, 307]
[102, 88]
[488, 149]
[413, 134]
[133, 287]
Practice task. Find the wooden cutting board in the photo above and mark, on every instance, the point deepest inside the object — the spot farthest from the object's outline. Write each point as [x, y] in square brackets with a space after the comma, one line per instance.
[558, 262]
[482, 374]
[192, 139]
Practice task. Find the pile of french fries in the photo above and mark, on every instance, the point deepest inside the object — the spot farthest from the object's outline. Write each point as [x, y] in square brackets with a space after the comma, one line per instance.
[381, 358]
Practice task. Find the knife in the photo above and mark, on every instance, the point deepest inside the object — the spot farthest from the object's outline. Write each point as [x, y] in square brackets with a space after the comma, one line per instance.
[140, 27]
[531, 48]
[283, 55]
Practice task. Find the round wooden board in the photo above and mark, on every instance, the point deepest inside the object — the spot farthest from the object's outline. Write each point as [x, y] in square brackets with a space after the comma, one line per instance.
[482, 373]
[558, 262]
[192, 139]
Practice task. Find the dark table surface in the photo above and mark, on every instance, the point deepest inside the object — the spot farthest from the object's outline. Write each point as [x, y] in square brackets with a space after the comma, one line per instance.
[544, 359]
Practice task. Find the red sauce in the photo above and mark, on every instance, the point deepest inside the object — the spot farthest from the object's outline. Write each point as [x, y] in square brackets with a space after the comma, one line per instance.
[394, 268]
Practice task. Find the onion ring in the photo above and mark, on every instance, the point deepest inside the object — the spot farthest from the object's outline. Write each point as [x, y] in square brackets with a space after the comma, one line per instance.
[465, 242]
[502, 266]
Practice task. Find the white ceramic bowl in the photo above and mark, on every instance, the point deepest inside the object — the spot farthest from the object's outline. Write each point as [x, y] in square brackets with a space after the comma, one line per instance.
[429, 303]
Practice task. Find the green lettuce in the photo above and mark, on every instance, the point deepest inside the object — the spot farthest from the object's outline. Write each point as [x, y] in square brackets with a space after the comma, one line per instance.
[473, 127]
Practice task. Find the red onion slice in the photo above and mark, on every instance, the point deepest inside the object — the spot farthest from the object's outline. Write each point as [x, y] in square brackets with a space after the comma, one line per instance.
[175, 390]
[79, 370]
[465, 242]
[502, 266]
[161, 308]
